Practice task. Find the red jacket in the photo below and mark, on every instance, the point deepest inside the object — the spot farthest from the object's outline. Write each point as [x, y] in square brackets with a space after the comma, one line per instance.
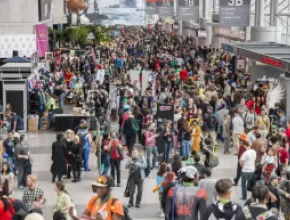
[183, 75]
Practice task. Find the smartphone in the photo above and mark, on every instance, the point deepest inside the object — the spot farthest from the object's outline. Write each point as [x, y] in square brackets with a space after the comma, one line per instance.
[94, 188]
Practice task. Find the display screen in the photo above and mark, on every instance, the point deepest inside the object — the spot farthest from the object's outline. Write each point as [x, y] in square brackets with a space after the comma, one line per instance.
[270, 61]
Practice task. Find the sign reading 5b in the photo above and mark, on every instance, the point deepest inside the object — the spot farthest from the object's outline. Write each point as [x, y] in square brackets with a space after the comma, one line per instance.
[235, 2]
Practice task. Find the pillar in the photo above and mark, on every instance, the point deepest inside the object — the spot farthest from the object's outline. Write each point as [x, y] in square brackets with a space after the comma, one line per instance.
[205, 9]
[273, 12]
[259, 13]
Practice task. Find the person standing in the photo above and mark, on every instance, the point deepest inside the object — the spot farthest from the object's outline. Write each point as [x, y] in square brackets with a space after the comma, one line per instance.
[224, 208]
[259, 146]
[85, 140]
[136, 167]
[33, 195]
[22, 161]
[9, 148]
[238, 126]
[247, 162]
[167, 135]
[130, 134]
[7, 174]
[150, 144]
[210, 122]
[58, 157]
[186, 137]
[116, 155]
[76, 159]
[227, 134]
[62, 201]
[189, 194]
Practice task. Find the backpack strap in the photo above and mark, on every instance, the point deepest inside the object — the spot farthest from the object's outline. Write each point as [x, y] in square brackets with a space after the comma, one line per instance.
[247, 213]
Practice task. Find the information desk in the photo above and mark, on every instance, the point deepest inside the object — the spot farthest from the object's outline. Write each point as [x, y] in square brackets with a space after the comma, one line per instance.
[63, 122]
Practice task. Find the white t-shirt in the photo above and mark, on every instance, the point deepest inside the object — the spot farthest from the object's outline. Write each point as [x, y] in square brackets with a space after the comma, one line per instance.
[249, 158]
[238, 125]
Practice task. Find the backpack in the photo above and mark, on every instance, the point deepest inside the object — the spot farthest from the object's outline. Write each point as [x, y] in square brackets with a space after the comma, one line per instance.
[211, 121]
[264, 215]
[135, 126]
[126, 211]
[20, 123]
[245, 119]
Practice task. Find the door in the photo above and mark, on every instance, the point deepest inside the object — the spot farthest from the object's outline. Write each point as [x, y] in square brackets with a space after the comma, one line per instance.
[15, 98]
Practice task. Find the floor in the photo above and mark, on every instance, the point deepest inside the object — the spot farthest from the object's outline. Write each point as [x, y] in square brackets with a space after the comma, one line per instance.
[40, 149]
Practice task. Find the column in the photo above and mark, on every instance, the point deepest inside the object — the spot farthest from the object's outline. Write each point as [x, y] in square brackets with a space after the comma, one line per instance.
[257, 4]
[273, 12]
[205, 9]
[259, 16]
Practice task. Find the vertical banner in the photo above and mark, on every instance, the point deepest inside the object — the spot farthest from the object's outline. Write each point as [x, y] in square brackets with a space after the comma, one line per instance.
[165, 8]
[187, 10]
[151, 7]
[41, 31]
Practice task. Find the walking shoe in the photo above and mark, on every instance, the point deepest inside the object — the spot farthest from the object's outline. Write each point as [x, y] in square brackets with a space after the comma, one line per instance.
[73, 181]
[118, 185]
[130, 206]
[137, 205]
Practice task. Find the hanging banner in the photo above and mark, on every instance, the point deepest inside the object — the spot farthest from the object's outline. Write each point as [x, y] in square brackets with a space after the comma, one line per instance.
[235, 13]
[165, 8]
[152, 7]
[113, 12]
[41, 31]
[188, 10]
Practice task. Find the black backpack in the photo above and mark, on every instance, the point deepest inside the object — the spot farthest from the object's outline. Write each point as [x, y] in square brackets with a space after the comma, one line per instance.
[126, 211]
[211, 121]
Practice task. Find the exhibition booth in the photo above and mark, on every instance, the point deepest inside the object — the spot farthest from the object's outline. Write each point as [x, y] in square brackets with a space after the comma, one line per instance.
[266, 60]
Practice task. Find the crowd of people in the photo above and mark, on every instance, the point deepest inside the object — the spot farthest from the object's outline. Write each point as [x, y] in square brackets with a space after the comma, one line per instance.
[215, 107]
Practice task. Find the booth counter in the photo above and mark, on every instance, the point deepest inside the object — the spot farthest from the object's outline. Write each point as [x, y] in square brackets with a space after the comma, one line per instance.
[63, 122]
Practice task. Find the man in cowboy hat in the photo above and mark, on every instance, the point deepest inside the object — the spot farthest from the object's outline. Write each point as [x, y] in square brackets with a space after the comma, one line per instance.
[102, 205]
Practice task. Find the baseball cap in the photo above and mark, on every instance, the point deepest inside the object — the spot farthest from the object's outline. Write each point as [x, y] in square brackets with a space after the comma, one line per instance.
[189, 172]
[104, 181]
[283, 130]
[272, 177]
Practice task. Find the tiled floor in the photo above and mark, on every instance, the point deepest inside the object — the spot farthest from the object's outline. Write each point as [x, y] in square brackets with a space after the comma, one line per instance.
[40, 148]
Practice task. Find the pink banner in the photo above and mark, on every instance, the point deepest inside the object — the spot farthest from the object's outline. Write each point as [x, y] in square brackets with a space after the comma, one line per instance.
[41, 31]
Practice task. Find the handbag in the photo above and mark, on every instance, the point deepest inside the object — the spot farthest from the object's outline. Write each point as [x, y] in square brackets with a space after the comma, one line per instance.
[127, 189]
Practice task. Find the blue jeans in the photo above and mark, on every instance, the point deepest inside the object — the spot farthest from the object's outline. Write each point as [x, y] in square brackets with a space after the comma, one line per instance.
[152, 150]
[245, 178]
[10, 163]
[184, 148]
[106, 162]
[220, 132]
[51, 118]
[86, 154]
[167, 148]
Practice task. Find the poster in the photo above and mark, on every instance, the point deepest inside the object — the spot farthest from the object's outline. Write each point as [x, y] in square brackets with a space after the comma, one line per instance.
[25, 44]
[125, 12]
[45, 7]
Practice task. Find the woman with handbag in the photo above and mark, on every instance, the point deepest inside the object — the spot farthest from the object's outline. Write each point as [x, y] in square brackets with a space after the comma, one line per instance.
[116, 156]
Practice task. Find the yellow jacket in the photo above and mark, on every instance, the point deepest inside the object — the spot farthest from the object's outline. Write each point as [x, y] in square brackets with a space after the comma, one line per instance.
[196, 139]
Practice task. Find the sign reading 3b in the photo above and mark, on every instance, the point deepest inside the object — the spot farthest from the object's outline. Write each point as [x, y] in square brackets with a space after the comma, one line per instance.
[234, 12]
[188, 3]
